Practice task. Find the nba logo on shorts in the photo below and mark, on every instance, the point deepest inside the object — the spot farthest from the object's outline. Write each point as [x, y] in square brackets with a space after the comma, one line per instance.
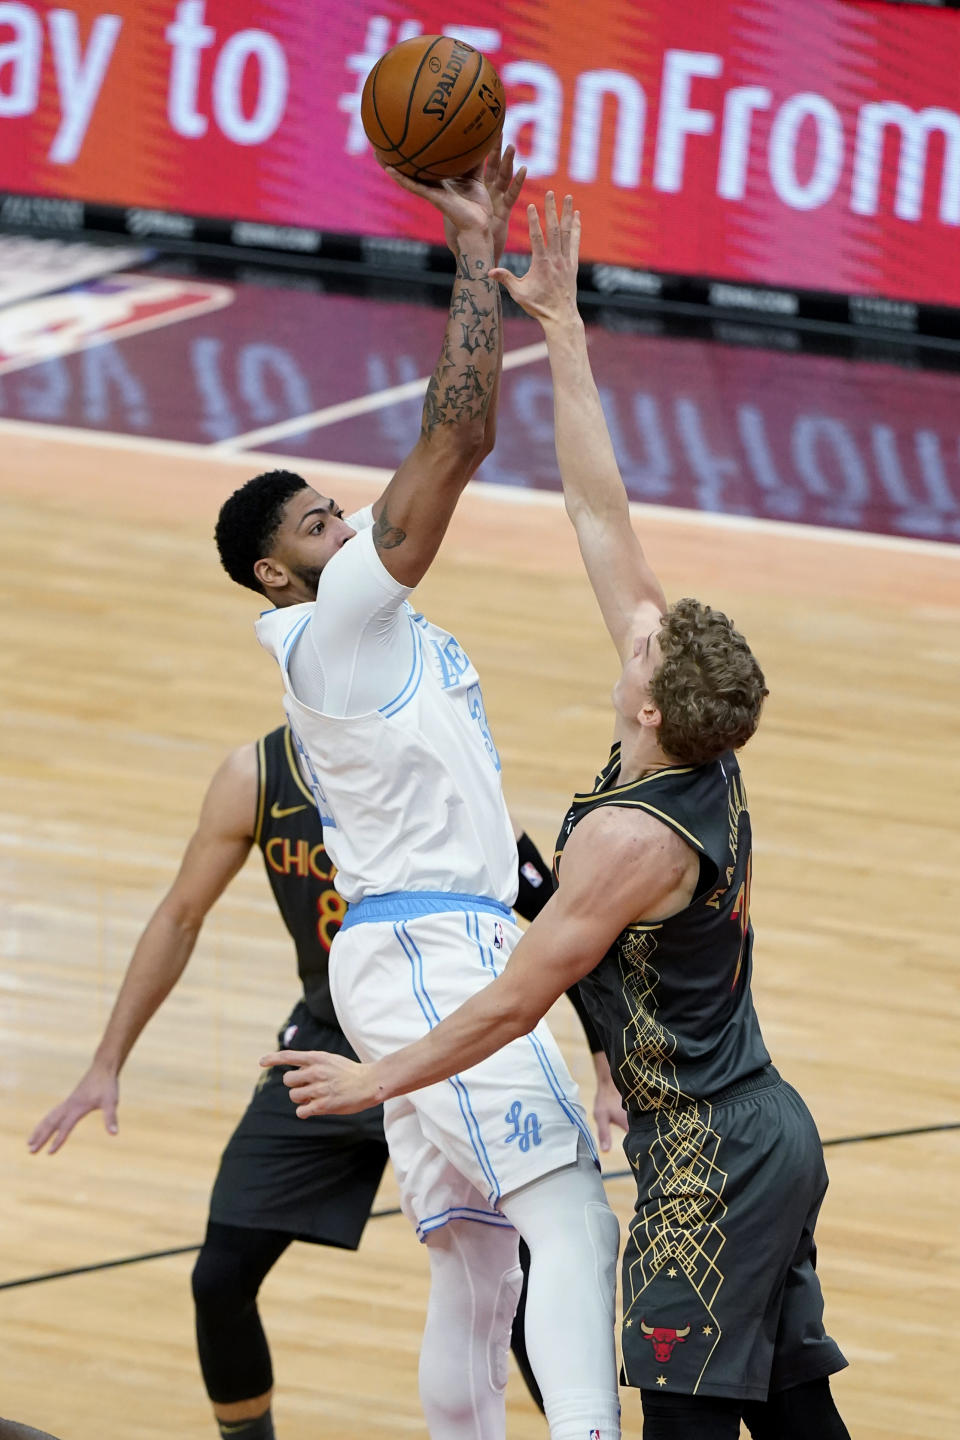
[594, 1435]
[498, 936]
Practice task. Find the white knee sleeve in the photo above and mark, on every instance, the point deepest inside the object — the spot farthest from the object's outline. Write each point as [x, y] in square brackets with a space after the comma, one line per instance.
[574, 1241]
[475, 1283]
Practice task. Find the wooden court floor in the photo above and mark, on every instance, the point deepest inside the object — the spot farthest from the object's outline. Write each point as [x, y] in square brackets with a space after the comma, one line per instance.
[130, 667]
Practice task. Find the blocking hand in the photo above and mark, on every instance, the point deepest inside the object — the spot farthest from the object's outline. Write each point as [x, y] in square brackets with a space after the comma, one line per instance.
[548, 291]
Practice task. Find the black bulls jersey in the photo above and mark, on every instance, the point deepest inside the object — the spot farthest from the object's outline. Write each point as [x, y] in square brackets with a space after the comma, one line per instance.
[290, 835]
[672, 1000]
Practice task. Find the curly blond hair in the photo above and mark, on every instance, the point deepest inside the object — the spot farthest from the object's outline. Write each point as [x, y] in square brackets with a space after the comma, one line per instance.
[708, 688]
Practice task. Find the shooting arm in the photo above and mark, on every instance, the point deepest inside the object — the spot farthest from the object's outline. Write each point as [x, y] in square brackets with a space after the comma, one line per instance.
[412, 515]
[490, 424]
[503, 186]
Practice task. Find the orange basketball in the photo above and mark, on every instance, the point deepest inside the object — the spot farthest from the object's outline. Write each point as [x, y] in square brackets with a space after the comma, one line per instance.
[432, 107]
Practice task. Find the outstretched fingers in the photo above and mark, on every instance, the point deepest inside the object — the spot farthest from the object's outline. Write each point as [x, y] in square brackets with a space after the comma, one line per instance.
[55, 1129]
[41, 1133]
[58, 1125]
[508, 182]
[560, 225]
[500, 172]
[566, 224]
[551, 221]
[63, 1132]
[549, 285]
[493, 164]
[512, 192]
[537, 246]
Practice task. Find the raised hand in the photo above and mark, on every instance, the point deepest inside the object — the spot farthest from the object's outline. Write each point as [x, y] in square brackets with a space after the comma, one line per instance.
[96, 1091]
[325, 1084]
[503, 187]
[465, 204]
[548, 291]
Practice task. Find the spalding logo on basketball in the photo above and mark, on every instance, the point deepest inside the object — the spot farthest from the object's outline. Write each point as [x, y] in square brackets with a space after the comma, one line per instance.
[432, 107]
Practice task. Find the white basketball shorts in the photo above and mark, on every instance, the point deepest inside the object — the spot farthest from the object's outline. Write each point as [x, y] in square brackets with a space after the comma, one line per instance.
[398, 966]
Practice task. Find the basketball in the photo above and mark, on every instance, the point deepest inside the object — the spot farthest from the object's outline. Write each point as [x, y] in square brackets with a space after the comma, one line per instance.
[432, 107]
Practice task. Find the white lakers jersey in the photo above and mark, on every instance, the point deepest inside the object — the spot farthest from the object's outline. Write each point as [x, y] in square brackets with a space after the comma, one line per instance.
[410, 793]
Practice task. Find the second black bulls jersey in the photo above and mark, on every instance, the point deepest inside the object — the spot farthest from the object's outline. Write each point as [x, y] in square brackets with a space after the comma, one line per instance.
[672, 1000]
[290, 835]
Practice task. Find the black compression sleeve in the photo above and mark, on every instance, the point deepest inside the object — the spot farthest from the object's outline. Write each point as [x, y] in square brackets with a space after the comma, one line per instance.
[793, 1414]
[536, 887]
[234, 1355]
[689, 1417]
[536, 882]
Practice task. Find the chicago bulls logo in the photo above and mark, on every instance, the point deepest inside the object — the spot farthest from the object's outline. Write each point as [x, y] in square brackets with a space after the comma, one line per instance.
[663, 1340]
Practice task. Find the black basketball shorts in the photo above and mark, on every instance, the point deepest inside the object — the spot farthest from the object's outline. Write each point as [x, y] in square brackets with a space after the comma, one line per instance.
[315, 1179]
[720, 1290]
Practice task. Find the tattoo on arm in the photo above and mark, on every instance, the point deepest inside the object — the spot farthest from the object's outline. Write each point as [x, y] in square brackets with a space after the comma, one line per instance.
[462, 383]
[463, 267]
[385, 535]
[490, 427]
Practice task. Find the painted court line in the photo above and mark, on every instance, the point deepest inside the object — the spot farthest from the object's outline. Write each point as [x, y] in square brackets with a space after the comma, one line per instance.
[324, 470]
[362, 405]
[394, 1210]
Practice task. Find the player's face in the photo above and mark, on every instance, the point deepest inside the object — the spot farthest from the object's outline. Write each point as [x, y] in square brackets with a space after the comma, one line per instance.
[312, 531]
[632, 691]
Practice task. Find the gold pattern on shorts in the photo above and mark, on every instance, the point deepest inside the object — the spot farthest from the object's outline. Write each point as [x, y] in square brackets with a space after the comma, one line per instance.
[679, 1225]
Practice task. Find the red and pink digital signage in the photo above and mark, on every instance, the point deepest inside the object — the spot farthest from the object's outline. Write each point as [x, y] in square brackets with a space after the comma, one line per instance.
[812, 145]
